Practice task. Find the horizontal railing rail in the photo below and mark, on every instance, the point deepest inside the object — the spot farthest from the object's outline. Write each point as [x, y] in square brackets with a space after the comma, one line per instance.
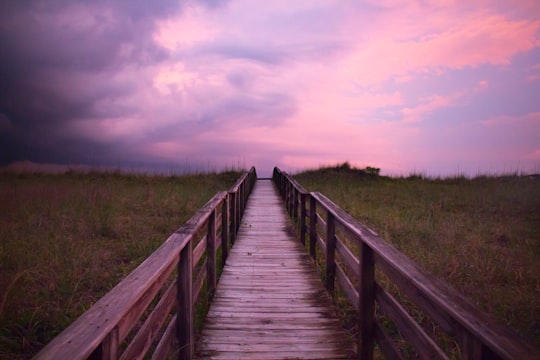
[129, 321]
[365, 266]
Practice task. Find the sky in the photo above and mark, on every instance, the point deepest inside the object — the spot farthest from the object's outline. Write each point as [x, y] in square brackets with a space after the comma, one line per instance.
[439, 87]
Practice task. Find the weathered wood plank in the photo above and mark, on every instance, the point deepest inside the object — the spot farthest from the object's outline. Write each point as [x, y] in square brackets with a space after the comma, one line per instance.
[407, 326]
[352, 262]
[199, 281]
[347, 287]
[270, 302]
[211, 270]
[386, 344]
[330, 252]
[184, 322]
[366, 305]
[149, 331]
[198, 251]
[166, 341]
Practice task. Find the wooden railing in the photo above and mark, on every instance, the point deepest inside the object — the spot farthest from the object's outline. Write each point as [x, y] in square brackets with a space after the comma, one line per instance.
[129, 320]
[366, 266]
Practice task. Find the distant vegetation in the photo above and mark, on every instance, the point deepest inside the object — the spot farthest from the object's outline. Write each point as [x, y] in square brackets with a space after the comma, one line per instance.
[482, 235]
[66, 239]
[344, 168]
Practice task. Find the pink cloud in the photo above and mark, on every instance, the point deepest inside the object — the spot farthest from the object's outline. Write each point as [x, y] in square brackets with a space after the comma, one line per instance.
[194, 26]
[531, 119]
[442, 40]
[174, 78]
[428, 105]
[431, 103]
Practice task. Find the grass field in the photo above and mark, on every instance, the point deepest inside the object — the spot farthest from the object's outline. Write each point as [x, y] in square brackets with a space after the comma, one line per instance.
[65, 240]
[481, 235]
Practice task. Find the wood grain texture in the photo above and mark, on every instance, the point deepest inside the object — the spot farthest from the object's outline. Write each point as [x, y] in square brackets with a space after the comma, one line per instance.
[270, 302]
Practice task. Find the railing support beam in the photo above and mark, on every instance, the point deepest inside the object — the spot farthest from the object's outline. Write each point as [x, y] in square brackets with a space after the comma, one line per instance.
[330, 251]
[303, 198]
[185, 304]
[225, 230]
[211, 282]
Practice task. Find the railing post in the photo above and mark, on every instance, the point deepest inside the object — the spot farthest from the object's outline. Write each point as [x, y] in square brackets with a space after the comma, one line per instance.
[238, 207]
[303, 218]
[240, 201]
[232, 212]
[211, 255]
[282, 187]
[330, 251]
[224, 230]
[108, 349]
[312, 226]
[185, 304]
[366, 305]
[291, 199]
[295, 201]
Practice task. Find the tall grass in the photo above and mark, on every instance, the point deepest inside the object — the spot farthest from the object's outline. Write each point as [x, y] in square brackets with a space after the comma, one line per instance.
[65, 240]
[481, 235]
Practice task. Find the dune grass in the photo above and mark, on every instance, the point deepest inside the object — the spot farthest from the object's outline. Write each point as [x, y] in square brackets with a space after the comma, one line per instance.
[481, 235]
[67, 239]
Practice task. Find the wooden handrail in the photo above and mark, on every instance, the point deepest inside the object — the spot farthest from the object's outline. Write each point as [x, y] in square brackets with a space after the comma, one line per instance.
[102, 330]
[479, 335]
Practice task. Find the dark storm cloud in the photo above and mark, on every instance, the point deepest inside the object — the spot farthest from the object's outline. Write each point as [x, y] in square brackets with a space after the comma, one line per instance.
[57, 62]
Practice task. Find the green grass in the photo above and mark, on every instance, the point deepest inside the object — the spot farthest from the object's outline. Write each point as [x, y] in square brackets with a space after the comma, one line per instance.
[481, 235]
[65, 240]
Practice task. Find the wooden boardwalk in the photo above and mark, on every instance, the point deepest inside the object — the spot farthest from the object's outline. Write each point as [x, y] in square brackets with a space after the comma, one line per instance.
[270, 302]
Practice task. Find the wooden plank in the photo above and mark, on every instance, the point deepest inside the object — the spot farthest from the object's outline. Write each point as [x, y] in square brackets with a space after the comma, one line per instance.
[184, 322]
[330, 252]
[224, 230]
[347, 287]
[167, 339]
[270, 336]
[273, 355]
[270, 302]
[312, 227]
[199, 250]
[150, 330]
[232, 215]
[352, 262]
[321, 224]
[303, 213]
[321, 243]
[211, 266]
[366, 305]
[407, 326]
[199, 281]
[109, 347]
[386, 344]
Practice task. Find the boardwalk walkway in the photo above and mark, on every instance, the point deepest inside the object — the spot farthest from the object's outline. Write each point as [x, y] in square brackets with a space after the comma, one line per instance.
[270, 302]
